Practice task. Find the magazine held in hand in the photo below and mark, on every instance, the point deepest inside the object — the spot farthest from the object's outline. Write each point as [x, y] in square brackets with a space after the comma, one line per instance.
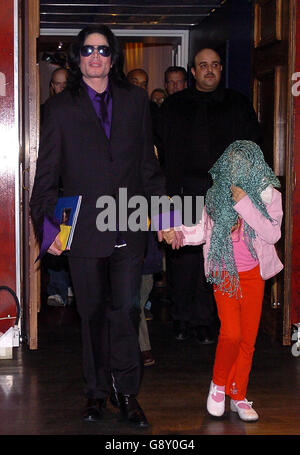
[66, 211]
[66, 214]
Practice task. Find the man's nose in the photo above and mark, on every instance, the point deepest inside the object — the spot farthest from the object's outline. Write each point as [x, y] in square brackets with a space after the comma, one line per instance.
[210, 67]
[95, 52]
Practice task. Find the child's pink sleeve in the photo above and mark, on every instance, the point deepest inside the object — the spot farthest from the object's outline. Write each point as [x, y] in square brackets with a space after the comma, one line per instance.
[193, 235]
[269, 231]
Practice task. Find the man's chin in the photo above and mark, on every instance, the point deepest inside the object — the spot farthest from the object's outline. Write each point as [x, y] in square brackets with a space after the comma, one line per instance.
[208, 87]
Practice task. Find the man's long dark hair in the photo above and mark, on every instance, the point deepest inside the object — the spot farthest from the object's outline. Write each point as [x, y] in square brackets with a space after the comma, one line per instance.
[116, 73]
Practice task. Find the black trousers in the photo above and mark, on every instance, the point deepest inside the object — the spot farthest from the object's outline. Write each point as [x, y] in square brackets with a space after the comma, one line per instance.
[107, 298]
[191, 295]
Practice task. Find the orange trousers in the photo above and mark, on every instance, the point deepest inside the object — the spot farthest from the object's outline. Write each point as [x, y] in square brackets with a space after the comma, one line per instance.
[239, 319]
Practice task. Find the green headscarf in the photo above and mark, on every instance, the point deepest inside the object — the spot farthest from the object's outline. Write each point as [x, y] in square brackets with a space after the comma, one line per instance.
[243, 165]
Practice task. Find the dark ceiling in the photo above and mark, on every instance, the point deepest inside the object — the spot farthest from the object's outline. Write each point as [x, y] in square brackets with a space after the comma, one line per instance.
[126, 14]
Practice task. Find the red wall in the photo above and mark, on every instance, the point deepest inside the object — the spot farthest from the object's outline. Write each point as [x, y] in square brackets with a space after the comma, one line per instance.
[8, 160]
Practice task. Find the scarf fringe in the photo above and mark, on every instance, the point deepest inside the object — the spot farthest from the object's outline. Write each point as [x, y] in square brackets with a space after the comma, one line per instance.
[225, 283]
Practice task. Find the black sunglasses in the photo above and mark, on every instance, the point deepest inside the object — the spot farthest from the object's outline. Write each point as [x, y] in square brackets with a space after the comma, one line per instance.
[87, 50]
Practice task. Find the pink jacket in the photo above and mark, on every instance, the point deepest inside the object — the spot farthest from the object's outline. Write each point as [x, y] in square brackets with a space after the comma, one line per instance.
[267, 233]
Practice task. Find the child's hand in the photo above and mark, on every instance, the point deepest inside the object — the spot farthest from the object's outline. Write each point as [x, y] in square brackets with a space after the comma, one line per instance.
[237, 193]
[171, 237]
[168, 236]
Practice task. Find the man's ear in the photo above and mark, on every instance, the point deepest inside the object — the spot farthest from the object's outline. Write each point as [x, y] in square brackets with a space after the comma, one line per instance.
[193, 71]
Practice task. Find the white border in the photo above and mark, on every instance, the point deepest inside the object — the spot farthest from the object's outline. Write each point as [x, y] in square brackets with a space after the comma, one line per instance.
[183, 55]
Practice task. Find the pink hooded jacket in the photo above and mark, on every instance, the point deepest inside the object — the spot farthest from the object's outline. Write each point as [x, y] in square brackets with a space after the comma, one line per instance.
[267, 233]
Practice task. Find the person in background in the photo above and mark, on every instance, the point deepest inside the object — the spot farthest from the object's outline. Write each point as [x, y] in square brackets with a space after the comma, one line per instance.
[59, 286]
[152, 265]
[58, 81]
[138, 77]
[153, 258]
[198, 124]
[175, 79]
[157, 99]
[158, 96]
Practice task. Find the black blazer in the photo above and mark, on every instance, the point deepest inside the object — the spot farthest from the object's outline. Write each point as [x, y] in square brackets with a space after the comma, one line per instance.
[74, 147]
[196, 128]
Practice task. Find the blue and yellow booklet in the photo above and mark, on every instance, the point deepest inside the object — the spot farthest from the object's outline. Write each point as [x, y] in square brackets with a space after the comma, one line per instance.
[63, 223]
[66, 212]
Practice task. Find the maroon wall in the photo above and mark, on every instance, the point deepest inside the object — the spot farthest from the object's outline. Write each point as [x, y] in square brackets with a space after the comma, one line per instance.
[8, 161]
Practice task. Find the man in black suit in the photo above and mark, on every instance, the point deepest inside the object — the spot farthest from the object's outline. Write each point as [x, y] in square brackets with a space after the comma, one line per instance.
[97, 139]
[198, 124]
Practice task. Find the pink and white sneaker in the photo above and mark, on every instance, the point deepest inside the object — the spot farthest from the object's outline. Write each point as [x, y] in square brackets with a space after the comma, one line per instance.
[244, 410]
[216, 400]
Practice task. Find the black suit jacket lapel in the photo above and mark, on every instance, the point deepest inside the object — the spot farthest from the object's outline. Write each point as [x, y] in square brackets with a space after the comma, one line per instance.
[119, 105]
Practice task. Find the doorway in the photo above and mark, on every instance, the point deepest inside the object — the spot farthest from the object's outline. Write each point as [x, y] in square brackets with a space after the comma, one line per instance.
[180, 43]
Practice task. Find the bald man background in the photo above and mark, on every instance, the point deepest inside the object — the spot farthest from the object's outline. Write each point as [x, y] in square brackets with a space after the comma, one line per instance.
[138, 77]
[58, 81]
[198, 124]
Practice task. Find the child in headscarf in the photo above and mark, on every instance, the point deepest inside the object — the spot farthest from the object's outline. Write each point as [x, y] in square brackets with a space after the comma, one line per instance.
[241, 222]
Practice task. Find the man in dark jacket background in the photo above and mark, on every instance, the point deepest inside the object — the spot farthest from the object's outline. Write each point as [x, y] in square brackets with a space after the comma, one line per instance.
[198, 124]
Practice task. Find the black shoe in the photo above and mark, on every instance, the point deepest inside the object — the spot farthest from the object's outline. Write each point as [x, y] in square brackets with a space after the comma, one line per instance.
[204, 335]
[181, 330]
[131, 411]
[93, 410]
